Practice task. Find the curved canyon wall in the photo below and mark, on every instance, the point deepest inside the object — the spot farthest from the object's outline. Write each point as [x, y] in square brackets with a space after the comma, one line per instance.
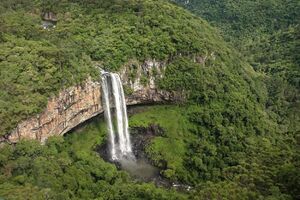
[79, 103]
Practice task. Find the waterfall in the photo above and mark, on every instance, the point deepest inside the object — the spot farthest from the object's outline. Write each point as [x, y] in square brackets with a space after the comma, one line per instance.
[113, 97]
[107, 113]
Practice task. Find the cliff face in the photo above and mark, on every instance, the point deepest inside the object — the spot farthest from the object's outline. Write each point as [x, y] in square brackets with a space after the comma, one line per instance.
[79, 103]
[63, 112]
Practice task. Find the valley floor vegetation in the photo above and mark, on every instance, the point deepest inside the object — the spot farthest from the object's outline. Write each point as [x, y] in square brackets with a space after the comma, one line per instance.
[215, 162]
[234, 134]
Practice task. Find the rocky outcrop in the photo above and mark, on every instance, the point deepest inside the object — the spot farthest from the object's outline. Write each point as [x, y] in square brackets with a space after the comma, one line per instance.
[49, 16]
[141, 80]
[77, 104]
[49, 20]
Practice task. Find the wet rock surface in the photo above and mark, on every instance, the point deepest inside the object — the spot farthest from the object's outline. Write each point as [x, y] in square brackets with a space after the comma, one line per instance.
[141, 136]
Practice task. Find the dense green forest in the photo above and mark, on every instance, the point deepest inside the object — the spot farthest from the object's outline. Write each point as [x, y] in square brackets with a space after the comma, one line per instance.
[234, 135]
[68, 168]
[36, 63]
[267, 34]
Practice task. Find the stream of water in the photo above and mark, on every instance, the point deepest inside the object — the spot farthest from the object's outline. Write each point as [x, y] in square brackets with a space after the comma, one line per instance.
[114, 99]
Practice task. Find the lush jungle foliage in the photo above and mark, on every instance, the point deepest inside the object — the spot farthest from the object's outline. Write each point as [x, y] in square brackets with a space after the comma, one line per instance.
[221, 151]
[235, 134]
[216, 162]
[68, 168]
[267, 33]
[35, 63]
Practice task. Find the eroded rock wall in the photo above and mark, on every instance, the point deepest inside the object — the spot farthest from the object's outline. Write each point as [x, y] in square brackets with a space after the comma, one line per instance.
[77, 104]
[71, 107]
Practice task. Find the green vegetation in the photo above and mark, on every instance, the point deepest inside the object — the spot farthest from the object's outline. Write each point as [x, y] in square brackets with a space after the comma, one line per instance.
[234, 134]
[223, 152]
[244, 19]
[170, 147]
[216, 162]
[68, 168]
[32, 71]
[267, 34]
[36, 63]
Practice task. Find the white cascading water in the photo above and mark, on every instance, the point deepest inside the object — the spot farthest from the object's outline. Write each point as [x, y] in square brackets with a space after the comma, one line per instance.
[107, 113]
[113, 89]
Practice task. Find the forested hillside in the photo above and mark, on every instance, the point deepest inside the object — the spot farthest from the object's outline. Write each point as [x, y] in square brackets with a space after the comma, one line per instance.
[233, 134]
[267, 33]
[36, 63]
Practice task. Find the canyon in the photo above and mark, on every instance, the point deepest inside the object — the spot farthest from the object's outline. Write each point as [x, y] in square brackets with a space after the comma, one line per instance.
[76, 104]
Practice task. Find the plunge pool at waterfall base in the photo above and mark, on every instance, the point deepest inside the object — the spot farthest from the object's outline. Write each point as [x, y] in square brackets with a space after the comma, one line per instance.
[141, 168]
[138, 168]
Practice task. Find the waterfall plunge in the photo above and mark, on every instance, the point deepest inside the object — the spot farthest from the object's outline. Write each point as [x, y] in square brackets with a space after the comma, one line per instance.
[120, 146]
